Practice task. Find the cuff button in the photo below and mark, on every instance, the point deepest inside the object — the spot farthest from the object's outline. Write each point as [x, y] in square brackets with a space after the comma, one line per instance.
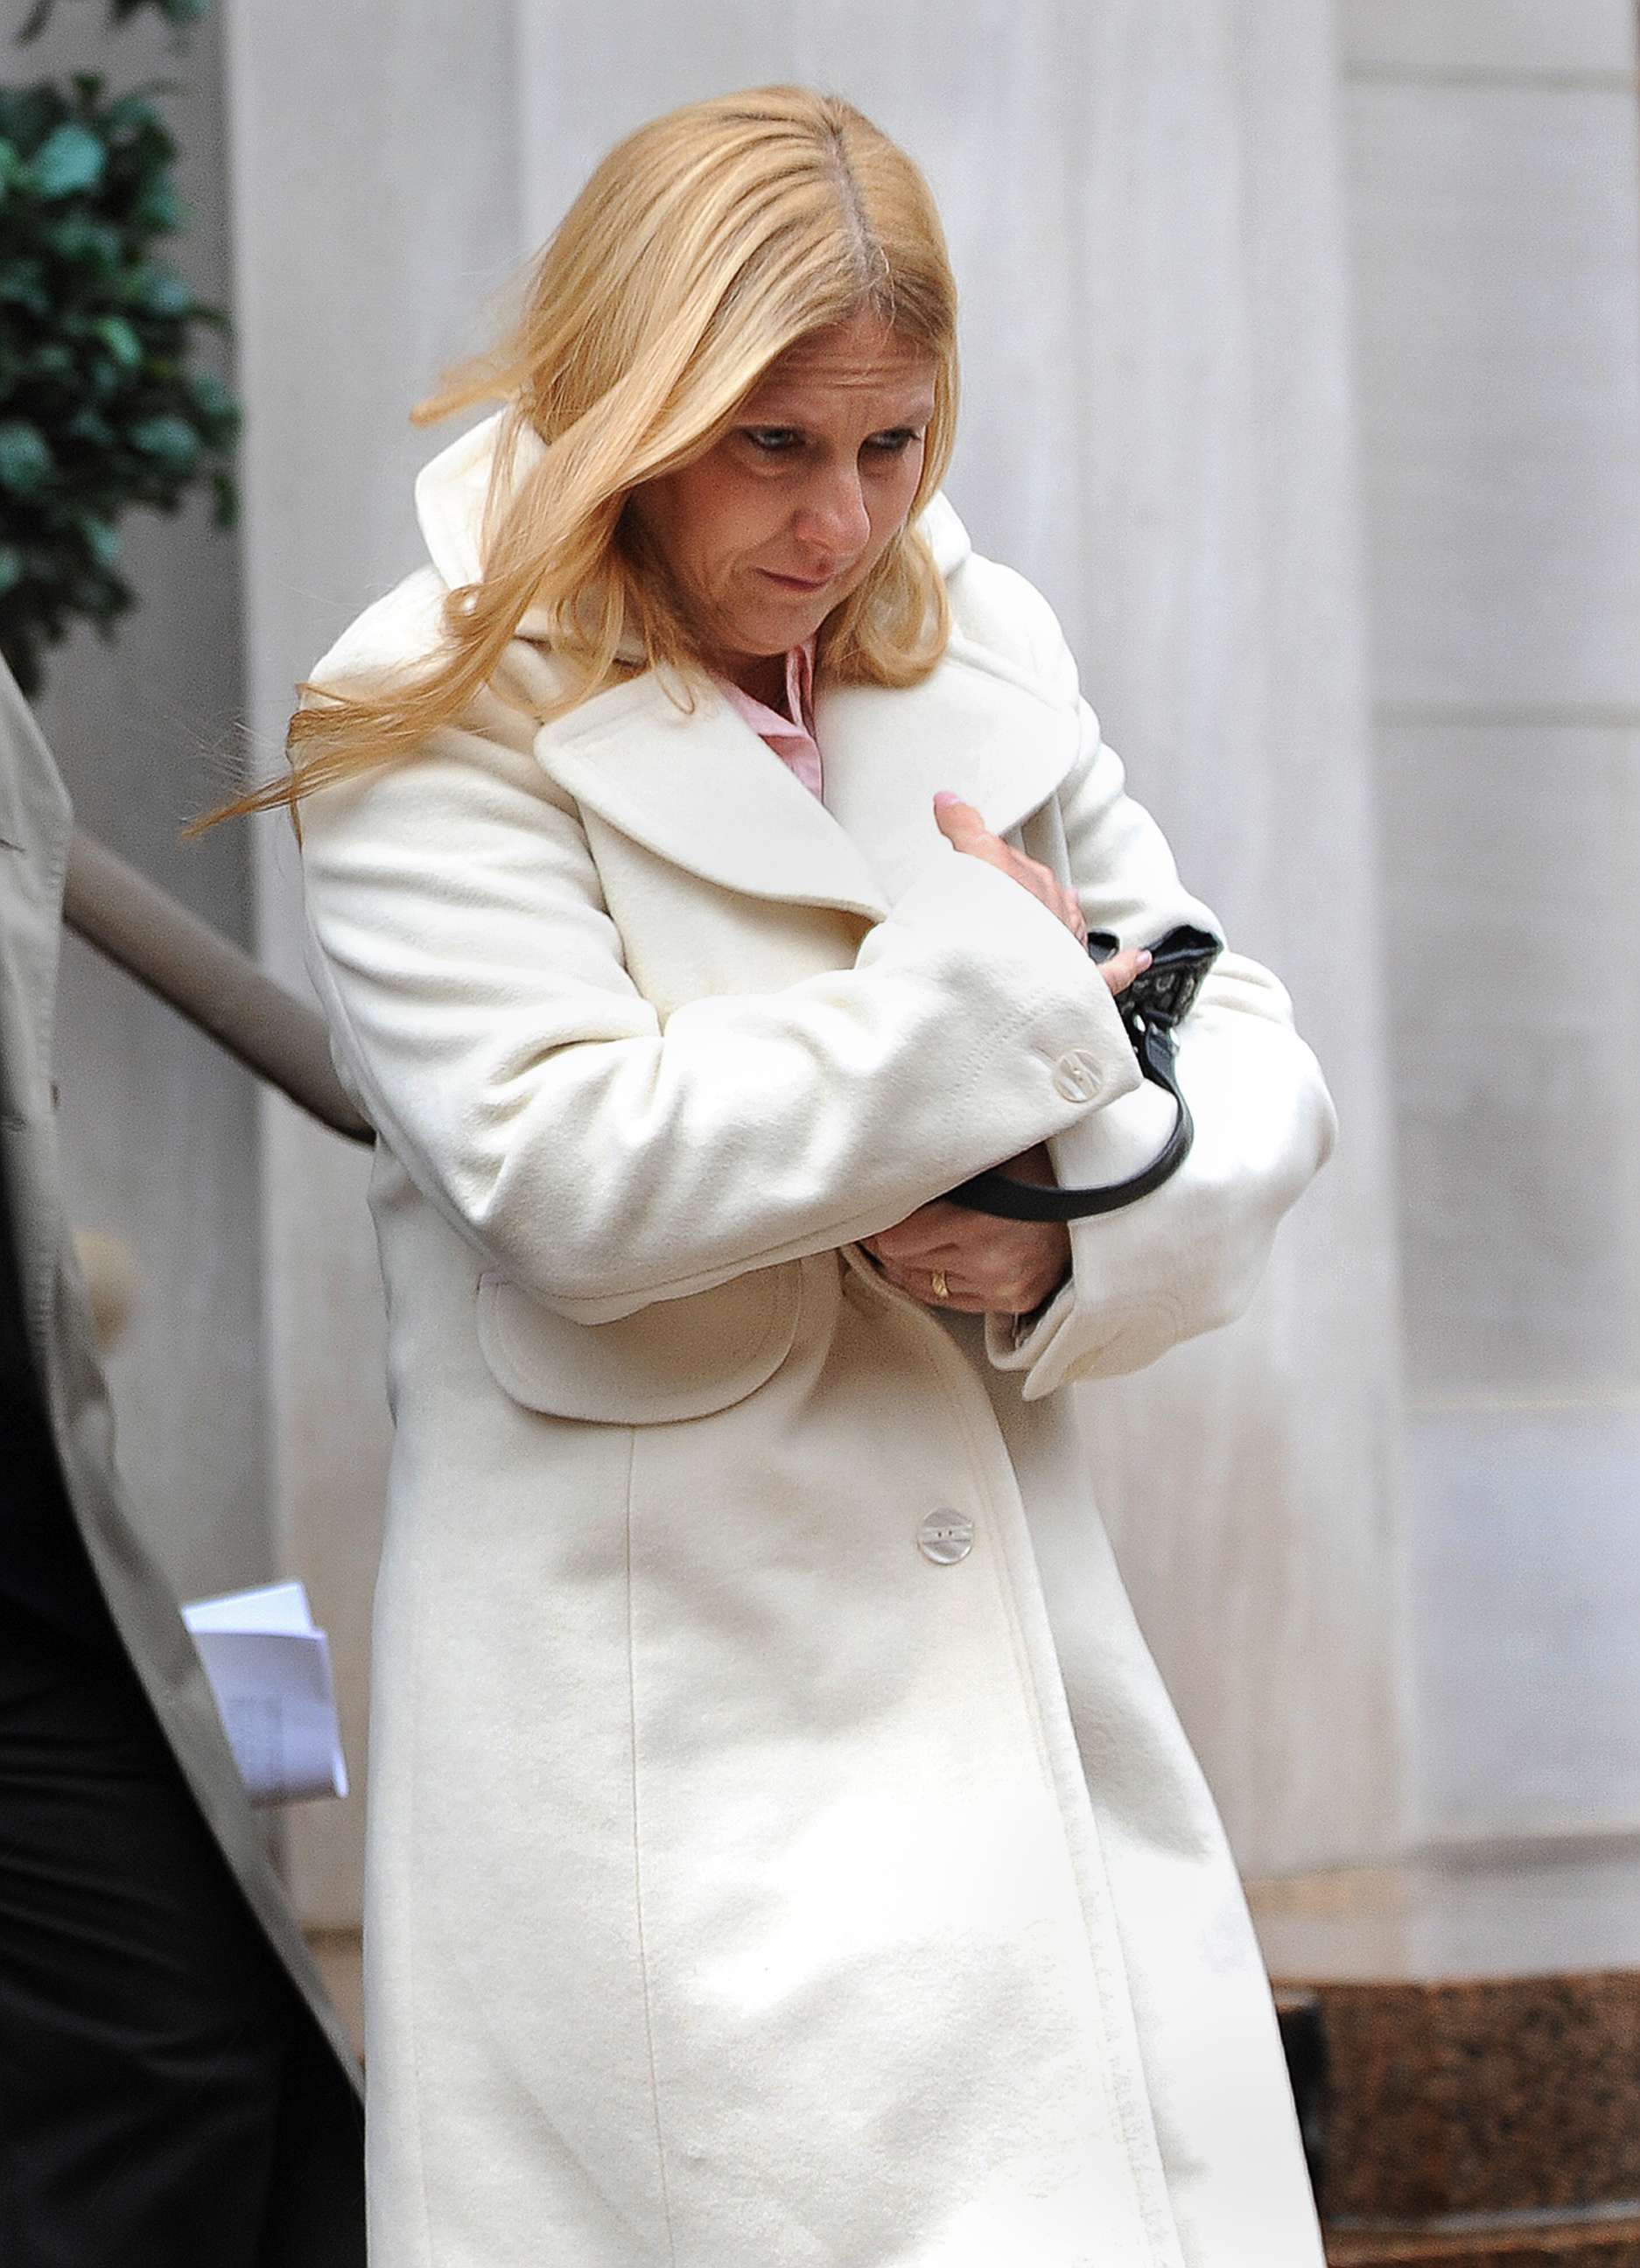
[1075, 1076]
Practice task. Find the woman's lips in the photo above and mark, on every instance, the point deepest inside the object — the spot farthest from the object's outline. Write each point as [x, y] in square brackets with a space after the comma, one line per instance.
[798, 582]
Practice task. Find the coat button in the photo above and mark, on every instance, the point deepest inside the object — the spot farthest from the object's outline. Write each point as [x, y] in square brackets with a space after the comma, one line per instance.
[945, 1537]
[1076, 1076]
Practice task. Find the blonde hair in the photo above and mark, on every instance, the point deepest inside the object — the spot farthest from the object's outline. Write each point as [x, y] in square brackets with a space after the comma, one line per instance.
[702, 248]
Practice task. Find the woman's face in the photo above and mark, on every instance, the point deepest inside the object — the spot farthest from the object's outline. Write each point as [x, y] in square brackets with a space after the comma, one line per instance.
[790, 511]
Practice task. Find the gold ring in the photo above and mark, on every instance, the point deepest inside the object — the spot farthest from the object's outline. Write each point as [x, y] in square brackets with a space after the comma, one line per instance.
[937, 1283]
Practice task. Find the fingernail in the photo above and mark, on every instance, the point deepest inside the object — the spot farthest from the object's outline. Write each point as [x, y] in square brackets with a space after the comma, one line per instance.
[1145, 959]
[944, 797]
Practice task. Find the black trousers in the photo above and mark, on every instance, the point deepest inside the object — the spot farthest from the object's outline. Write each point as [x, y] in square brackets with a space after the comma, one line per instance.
[167, 2100]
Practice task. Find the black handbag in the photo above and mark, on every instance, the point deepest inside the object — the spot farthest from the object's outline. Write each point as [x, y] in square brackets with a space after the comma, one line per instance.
[1152, 1007]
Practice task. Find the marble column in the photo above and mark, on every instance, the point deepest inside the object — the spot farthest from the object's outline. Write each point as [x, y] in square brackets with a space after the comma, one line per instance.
[1494, 174]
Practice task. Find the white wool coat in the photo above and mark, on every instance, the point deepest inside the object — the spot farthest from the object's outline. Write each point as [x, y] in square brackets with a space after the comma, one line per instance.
[749, 1889]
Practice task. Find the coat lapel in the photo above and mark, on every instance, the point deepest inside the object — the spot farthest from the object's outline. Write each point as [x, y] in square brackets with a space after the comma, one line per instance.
[990, 738]
[701, 790]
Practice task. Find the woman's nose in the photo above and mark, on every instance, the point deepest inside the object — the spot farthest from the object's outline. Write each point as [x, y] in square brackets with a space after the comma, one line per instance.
[833, 515]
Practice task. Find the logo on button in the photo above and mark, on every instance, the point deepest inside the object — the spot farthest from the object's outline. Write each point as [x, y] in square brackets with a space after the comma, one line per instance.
[945, 1537]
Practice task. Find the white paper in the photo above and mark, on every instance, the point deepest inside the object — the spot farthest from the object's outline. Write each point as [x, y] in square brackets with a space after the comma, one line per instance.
[269, 1669]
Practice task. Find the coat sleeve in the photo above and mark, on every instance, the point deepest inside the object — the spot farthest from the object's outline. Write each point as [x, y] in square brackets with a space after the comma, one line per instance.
[482, 1014]
[1186, 1258]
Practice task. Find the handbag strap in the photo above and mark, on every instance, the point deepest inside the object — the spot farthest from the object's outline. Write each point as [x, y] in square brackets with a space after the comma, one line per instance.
[1152, 1007]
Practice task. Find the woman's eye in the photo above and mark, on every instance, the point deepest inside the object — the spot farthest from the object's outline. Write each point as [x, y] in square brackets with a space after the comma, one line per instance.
[771, 440]
[893, 444]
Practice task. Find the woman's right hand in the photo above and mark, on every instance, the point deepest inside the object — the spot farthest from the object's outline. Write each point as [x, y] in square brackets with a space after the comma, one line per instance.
[965, 831]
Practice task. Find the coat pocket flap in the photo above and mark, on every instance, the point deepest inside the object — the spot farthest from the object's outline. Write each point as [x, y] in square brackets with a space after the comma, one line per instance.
[675, 1358]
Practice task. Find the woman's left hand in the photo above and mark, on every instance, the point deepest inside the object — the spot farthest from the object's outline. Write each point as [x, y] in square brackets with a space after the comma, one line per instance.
[987, 1265]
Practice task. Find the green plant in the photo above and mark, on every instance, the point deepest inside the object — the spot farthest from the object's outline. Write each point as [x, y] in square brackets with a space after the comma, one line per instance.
[179, 13]
[99, 409]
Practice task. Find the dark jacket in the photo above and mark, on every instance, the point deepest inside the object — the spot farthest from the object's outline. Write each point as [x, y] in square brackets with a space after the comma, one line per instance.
[35, 822]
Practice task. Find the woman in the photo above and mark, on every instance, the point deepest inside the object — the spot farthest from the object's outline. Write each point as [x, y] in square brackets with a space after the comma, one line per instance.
[782, 1849]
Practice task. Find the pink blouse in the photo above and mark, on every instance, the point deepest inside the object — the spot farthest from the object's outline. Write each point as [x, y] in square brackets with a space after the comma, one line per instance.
[791, 736]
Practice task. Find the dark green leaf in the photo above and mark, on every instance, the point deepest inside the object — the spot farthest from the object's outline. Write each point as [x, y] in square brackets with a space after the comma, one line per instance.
[179, 13]
[79, 238]
[169, 438]
[31, 113]
[121, 341]
[164, 293]
[90, 426]
[160, 208]
[135, 108]
[212, 396]
[104, 540]
[71, 158]
[24, 289]
[24, 457]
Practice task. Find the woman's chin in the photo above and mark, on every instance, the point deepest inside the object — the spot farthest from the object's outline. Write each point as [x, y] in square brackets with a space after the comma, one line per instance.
[776, 630]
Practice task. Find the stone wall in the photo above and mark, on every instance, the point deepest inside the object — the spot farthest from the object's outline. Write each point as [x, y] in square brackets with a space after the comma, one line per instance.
[1494, 187]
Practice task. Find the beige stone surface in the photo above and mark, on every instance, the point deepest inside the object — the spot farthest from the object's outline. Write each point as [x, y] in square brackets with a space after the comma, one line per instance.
[1496, 235]
[1513, 874]
[1494, 223]
[1524, 1600]
[1510, 1909]
[1482, 36]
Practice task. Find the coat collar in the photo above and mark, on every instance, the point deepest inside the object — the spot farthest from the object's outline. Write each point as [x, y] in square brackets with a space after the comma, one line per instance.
[699, 788]
[702, 789]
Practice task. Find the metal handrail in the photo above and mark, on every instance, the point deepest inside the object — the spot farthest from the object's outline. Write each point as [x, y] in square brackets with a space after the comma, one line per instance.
[205, 977]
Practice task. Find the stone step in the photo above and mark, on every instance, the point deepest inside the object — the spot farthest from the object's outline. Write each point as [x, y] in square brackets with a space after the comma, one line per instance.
[1582, 2244]
[1485, 2097]
[1470, 2054]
